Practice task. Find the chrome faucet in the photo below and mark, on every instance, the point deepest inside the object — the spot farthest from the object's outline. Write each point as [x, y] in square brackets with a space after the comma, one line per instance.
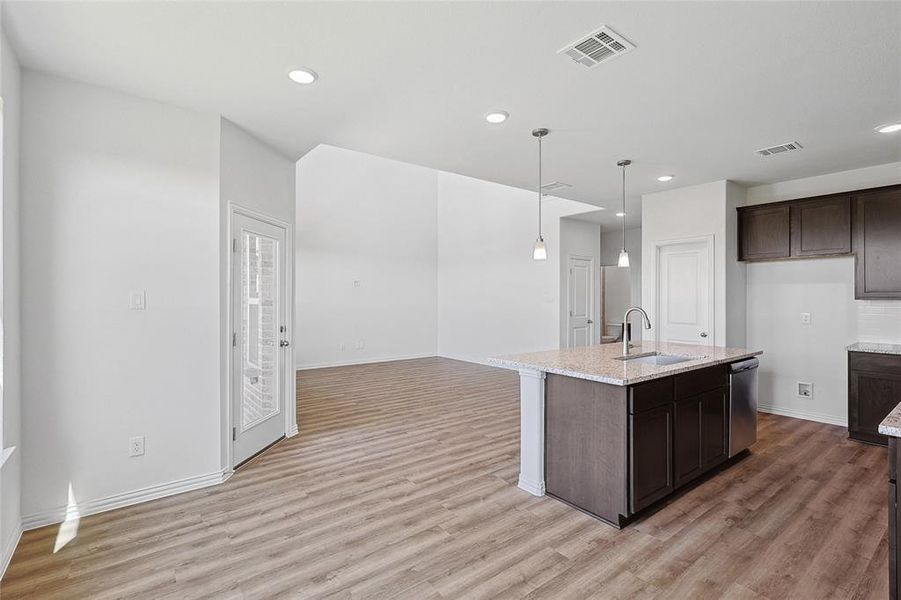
[647, 325]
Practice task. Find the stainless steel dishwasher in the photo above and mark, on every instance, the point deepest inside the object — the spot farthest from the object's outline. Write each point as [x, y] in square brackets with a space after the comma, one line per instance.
[742, 405]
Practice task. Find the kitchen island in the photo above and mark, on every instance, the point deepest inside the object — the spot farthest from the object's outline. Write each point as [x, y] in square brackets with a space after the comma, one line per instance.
[891, 427]
[612, 436]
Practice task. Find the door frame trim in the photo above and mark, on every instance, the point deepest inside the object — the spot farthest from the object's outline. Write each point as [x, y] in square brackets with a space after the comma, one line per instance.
[289, 382]
[710, 240]
[592, 300]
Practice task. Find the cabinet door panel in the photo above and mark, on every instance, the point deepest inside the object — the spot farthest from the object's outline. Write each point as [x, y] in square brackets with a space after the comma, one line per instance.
[650, 456]
[871, 396]
[686, 440]
[877, 243]
[764, 232]
[714, 427]
[821, 226]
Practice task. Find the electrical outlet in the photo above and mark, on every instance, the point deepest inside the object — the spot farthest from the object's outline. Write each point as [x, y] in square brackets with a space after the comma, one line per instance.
[356, 283]
[805, 318]
[137, 299]
[136, 446]
[805, 390]
[361, 344]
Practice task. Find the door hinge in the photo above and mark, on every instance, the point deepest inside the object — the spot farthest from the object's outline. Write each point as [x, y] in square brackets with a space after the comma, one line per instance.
[234, 244]
[234, 339]
[234, 433]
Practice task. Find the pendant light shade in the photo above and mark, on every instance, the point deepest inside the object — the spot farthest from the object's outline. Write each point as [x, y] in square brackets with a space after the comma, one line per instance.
[623, 254]
[539, 251]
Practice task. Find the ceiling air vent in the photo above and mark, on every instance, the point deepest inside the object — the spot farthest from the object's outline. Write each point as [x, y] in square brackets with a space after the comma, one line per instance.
[554, 186]
[780, 148]
[595, 48]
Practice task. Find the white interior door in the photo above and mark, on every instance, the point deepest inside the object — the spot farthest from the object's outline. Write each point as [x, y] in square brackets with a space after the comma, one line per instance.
[259, 335]
[685, 292]
[581, 302]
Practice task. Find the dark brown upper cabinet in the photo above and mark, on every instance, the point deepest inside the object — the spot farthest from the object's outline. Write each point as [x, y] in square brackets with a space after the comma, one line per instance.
[764, 232]
[877, 242]
[821, 226]
[795, 229]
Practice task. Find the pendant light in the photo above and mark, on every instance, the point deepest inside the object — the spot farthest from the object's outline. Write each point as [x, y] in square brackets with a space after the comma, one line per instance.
[539, 251]
[623, 255]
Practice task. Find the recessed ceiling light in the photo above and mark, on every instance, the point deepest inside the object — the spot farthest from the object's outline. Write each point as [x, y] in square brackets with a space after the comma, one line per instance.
[620, 214]
[890, 128]
[303, 76]
[497, 116]
[665, 178]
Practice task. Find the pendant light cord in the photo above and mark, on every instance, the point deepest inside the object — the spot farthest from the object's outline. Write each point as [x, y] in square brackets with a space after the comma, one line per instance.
[539, 187]
[624, 207]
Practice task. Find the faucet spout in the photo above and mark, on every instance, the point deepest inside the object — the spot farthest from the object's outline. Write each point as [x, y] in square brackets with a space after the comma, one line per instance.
[626, 336]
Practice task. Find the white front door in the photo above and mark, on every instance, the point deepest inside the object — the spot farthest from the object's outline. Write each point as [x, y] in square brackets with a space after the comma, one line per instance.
[685, 292]
[259, 335]
[581, 302]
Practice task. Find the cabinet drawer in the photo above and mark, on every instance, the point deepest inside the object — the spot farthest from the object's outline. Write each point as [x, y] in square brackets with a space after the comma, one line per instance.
[648, 395]
[869, 361]
[697, 382]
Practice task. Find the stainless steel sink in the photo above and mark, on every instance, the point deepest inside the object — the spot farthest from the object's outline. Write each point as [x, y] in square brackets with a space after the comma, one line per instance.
[656, 358]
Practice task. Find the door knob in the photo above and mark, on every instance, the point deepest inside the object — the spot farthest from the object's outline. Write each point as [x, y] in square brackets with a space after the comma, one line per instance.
[590, 321]
[284, 343]
[703, 334]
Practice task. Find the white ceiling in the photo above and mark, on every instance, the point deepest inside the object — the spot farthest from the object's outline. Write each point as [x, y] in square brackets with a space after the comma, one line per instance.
[707, 84]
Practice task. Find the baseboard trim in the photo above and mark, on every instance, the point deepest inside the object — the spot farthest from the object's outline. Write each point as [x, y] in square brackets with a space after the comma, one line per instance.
[9, 550]
[363, 361]
[154, 492]
[468, 359]
[807, 416]
[536, 488]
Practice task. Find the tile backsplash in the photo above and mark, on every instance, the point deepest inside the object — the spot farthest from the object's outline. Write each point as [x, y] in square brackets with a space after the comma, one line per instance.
[879, 321]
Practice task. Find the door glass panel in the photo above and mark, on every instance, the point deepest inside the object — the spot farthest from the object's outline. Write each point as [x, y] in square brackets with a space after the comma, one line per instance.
[259, 329]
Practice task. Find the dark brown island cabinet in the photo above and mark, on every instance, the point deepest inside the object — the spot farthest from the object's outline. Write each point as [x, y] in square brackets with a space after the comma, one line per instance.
[865, 223]
[613, 451]
[894, 559]
[874, 389]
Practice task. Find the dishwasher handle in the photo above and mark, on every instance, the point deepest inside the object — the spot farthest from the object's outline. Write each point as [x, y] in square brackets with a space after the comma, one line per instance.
[744, 365]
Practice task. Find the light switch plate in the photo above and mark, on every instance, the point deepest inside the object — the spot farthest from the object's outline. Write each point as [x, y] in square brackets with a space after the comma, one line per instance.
[805, 318]
[137, 300]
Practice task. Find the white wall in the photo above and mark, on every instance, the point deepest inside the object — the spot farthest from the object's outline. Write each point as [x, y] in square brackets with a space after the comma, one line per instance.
[252, 176]
[444, 263]
[778, 292]
[10, 401]
[118, 194]
[691, 212]
[371, 220]
[492, 297]
[255, 176]
[582, 239]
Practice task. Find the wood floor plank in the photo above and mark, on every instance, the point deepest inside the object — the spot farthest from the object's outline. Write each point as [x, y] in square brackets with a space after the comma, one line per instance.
[402, 484]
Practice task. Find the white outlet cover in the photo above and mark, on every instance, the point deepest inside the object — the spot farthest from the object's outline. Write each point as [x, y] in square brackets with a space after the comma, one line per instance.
[805, 318]
[805, 390]
[137, 299]
[136, 446]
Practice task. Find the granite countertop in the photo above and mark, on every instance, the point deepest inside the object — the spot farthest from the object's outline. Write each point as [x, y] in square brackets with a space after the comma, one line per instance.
[598, 363]
[891, 424]
[875, 348]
